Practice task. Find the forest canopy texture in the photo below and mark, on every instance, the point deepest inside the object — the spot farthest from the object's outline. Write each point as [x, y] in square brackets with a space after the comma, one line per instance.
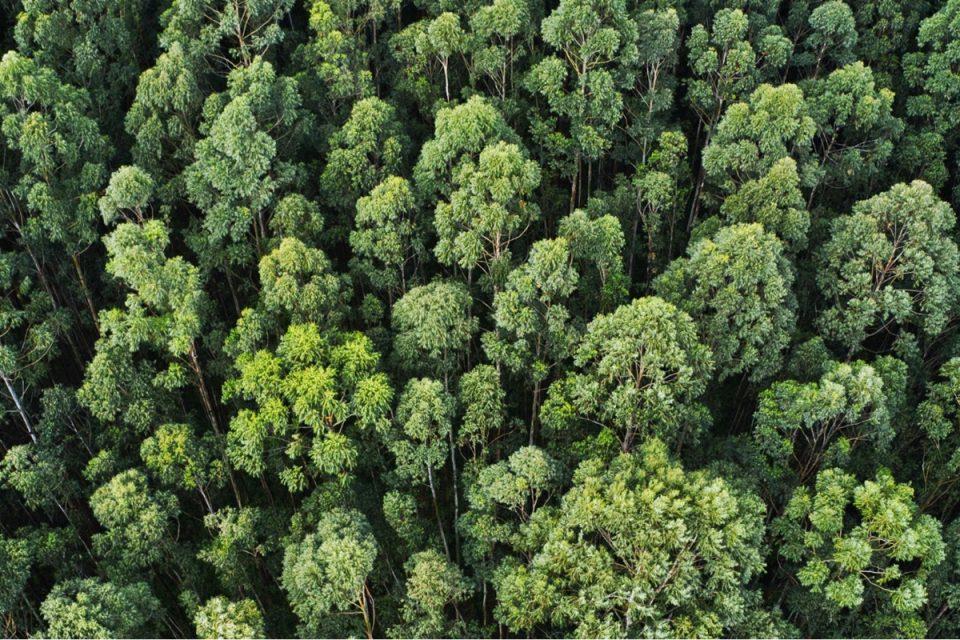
[479, 318]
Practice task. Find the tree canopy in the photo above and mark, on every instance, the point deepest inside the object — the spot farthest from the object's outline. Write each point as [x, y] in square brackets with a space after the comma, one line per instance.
[491, 318]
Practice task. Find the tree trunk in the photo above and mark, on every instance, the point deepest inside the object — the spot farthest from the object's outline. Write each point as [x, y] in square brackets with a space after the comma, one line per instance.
[16, 401]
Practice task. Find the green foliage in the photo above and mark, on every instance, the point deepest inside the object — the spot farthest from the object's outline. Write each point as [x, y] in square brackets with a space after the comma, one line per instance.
[637, 547]
[890, 267]
[313, 397]
[89, 608]
[370, 146]
[326, 573]
[387, 240]
[534, 332]
[424, 425]
[642, 368]
[737, 287]
[758, 159]
[135, 520]
[938, 417]
[16, 560]
[433, 583]
[433, 327]
[860, 548]
[54, 156]
[221, 618]
[803, 427]
[488, 210]
[666, 295]
[855, 126]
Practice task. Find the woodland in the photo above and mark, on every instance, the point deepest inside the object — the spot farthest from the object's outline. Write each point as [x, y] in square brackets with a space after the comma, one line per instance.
[479, 318]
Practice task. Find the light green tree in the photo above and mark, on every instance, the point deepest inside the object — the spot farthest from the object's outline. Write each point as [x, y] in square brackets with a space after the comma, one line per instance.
[889, 268]
[90, 608]
[641, 370]
[312, 399]
[637, 547]
[861, 554]
[737, 287]
[136, 520]
[222, 618]
[326, 574]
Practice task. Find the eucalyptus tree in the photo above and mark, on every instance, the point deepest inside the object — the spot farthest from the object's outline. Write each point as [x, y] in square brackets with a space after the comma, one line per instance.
[91, 608]
[890, 269]
[54, 162]
[326, 574]
[737, 287]
[388, 240]
[637, 546]
[313, 399]
[222, 618]
[758, 159]
[861, 554]
[490, 208]
[639, 372]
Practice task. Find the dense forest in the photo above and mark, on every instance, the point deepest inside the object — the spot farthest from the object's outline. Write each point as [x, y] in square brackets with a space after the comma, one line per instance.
[479, 318]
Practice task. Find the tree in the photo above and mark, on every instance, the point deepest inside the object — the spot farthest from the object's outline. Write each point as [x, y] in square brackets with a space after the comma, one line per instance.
[164, 117]
[93, 44]
[241, 165]
[659, 191]
[482, 397]
[180, 459]
[387, 241]
[136, 519]
[503, 30]
[803, 427]
[642, 369]
[932, 70]
[424, 439]
[15, 557]
[831, 38]
[221, 618]
[326, 573]
[433, 327]
[165, 313]
[889, 268]
[433, 584]
[502, 498]
[442, 39]
[300, 283]
[861, 552]
[127, 195]
[596, 244]
[90, 608]
[582, 80]
[534, 332]
[369, 147]
[937, 417]
[726, 67]
[855, 127]
[240, 540]
[333, 63]
[737, 289]
[313, 398]
[759, 155]
[460, 134]
[54, 155]
[631, 550]
[487, 211]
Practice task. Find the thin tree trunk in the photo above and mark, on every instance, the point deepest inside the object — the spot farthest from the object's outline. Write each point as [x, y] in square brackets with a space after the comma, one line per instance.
[211, 412]
[16, 401]
[86, 292]
[436, 510]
